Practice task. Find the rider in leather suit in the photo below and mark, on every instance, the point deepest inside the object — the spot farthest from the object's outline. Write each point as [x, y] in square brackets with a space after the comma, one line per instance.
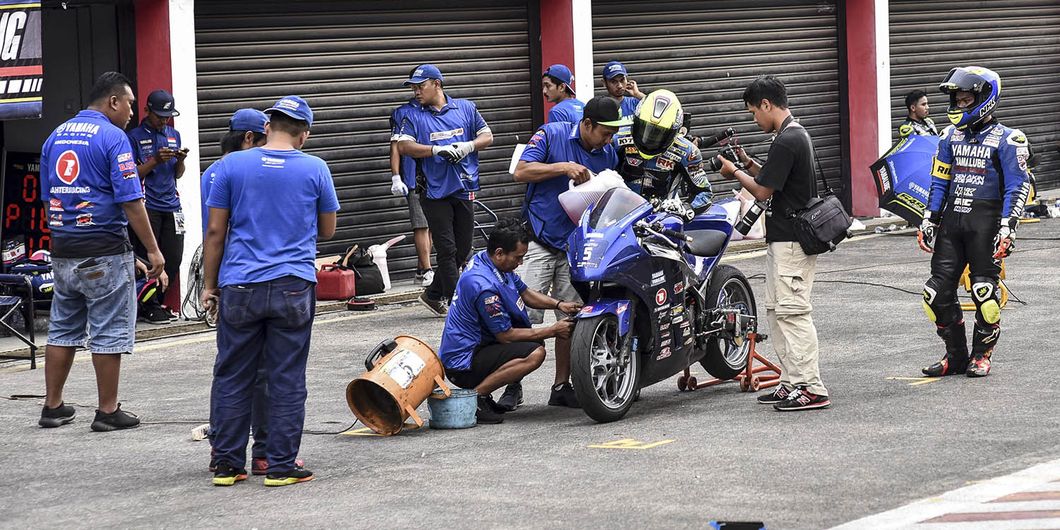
[979, 186]
[652, 153]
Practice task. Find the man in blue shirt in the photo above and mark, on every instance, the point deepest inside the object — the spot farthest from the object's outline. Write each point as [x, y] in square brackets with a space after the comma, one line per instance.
[557, 84]
[488, 341]
[160, 162]
[557, 154]
[403, 184]
[259, 262]
[444, 135]
[89, 181]
[621, 88]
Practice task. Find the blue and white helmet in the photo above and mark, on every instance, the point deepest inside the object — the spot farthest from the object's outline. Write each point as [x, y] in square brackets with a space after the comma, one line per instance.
[984, 83]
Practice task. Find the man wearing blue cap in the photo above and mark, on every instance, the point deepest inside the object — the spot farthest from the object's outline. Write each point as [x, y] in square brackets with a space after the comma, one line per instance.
[621, 88]
[444, 135]
[403, 184]
[160, 162]
[260, 276]
[557, 84]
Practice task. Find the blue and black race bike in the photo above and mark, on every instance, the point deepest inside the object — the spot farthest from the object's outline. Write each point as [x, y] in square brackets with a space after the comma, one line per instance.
[657, 299]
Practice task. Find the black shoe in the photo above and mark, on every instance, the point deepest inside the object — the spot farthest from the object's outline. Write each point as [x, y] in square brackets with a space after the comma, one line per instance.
[801, 399]
[155, 314]
[60, 415]
[780, 394]
[436, 306]
[563, 396]
[512, 397]
[946, 366]
[227, 475]
[485, 413]
[115, 421]
[294, 476]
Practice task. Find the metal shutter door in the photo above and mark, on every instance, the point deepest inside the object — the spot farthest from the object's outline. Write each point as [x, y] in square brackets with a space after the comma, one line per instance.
[708, 52]
[1018, 39]
[348, 60]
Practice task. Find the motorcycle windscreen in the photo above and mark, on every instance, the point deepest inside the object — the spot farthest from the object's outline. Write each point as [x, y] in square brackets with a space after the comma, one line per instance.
[613, 206]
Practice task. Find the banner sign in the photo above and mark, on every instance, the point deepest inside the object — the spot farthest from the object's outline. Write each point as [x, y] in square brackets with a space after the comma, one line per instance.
[21, 60]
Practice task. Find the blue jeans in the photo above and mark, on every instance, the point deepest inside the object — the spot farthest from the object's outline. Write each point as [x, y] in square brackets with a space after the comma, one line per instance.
[265, 324]
[94, 302]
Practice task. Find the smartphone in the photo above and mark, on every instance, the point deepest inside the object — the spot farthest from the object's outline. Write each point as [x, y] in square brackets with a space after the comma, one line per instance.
[88, 263]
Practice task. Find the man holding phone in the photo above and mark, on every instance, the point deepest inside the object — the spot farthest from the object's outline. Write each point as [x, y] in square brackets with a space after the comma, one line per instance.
[621, 88]
[160, 162]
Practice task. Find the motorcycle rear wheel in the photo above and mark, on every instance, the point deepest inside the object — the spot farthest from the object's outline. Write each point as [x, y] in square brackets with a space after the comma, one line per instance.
[727, 354]
[606, 390]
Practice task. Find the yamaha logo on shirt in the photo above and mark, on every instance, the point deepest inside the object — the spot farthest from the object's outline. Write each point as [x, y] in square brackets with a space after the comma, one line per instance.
[445, 135]
[276, 163]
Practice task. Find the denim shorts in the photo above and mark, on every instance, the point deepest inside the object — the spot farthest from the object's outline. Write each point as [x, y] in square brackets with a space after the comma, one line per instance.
[94, 303]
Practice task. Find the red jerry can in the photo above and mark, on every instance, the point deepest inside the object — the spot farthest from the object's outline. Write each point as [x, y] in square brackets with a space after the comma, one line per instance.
[335, 283]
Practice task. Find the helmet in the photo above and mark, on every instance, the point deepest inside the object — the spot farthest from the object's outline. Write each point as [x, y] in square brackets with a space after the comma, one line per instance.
[656, 123]
[984, 83]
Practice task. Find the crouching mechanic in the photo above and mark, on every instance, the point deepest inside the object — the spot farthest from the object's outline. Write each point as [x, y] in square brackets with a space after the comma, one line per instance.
[488, 341]
[979, 187]
[653, 156]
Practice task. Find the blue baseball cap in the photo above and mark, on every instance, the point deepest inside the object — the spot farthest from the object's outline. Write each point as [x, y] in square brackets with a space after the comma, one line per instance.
[561, 72]
[614, 68]
[248, 120]
[294, 107]
[161, 102]
[422, 73]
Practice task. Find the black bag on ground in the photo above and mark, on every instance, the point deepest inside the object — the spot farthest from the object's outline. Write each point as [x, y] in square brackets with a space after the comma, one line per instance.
[369, 277]
[822, 225]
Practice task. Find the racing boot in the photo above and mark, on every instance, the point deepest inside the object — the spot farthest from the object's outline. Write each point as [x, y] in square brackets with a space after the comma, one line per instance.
[983, 340]
[956, 359]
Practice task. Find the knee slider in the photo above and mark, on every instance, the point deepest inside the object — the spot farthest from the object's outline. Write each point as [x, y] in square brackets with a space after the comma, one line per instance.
[929, 298]
[986, 298]
[940, 305]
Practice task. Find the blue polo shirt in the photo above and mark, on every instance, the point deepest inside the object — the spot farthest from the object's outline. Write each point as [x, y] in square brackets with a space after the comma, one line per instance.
[406, 164]
[567, 110]
[160, 185]
[628, 106]
[553, 143]
[87, 171]
[457, 121]
[205, 185]
[486, 302]
[273, 199]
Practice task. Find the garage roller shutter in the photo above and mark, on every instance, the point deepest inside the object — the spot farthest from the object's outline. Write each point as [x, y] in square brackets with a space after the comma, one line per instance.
[348, 60]
[1018, 39]
[708, 52]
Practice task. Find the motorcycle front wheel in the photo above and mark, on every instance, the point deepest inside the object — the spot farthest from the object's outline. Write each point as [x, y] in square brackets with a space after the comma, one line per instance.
[727, 353]
[605, 386]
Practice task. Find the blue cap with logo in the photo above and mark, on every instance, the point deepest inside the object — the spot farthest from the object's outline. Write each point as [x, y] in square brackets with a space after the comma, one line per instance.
[161, 102]
[248, 120]
[294, 107]
[422, 73]
[563, 74]
[613, 69]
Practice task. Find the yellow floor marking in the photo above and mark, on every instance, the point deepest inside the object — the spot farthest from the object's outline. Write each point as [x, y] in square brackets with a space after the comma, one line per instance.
[915, 380]
[365, 431]
[629, 443]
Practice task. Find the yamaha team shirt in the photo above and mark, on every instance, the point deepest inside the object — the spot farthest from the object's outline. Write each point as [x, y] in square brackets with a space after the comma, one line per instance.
[457, 121]
[160, 185]
[569, 110]
[406, 164]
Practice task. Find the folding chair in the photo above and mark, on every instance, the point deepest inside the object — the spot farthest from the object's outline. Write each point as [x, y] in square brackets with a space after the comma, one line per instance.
[9, 303]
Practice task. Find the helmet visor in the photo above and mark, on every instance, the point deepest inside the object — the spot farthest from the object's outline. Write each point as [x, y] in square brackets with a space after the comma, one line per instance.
[652, 139]
[960, 79]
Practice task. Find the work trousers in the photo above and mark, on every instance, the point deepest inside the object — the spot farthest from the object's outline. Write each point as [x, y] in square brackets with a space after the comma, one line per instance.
[265, 324]
[451, 221]
[789, 281]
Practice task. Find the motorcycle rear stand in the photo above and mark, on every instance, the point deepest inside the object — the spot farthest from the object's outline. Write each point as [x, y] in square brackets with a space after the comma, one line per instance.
[748, 378]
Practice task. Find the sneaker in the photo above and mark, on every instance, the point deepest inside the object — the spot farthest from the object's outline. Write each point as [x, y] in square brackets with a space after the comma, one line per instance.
[115, 421]
[227, 475]
[259, 465]
[60, 415]
[155, 314]
[802, 399]
[512, 397]
[428, 278]
[485, 413]
[946, 366]
[294, 476]
[436, 306]
[978, 367]
[780, 394]
[563, 396]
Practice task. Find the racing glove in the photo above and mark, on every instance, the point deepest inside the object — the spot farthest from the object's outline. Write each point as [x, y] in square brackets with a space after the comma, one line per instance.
[1005, 240]
[453, 153]
[925, 236]
[397, 187]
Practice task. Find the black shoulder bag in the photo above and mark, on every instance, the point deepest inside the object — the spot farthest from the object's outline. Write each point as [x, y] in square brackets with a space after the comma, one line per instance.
[823, 223]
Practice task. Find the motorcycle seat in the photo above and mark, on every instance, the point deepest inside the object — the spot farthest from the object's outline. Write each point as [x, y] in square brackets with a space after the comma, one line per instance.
[706, 243]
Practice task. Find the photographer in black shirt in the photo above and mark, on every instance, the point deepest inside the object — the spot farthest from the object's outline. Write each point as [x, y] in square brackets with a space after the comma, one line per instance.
[787, 181]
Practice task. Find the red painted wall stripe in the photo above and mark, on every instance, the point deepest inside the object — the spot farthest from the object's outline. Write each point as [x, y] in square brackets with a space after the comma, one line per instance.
[557, 37]
[14, 71]
[154, 68]
[862, 104]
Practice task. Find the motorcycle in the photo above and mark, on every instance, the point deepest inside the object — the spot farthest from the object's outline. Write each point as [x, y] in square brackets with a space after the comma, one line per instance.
[657, 299]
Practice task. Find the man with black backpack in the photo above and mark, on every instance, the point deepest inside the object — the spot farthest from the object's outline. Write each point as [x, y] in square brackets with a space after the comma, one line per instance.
[786, 179]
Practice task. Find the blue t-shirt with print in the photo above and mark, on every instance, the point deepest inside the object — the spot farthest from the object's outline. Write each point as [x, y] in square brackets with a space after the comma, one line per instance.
[569, 110]
[273, 199]
[554, 143]
[160, 185]
[486, 303]
[628, 106]
[406, 164]
[457, 121]
[205, 185]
